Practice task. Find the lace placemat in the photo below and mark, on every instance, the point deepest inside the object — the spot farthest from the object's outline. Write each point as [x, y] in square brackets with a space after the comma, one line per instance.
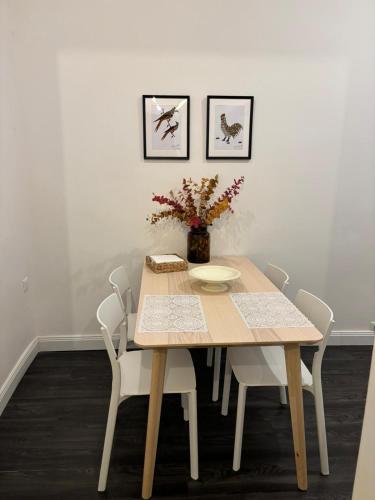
[268, 310]
[172, 314]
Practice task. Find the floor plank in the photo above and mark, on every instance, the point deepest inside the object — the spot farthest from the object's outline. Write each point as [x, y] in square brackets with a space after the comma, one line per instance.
[52, 432]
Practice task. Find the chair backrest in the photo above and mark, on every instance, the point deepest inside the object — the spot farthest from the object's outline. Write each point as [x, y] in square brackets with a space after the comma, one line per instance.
[110, 315]
[321, 315]
[120, 283]
[317, 311]
[278, 276]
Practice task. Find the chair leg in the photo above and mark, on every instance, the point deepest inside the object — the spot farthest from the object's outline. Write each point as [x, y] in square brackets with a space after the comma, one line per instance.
[321, 426]
[283, 397]
[108, 441]
[226, 388]
[193, 434]
[241, 403]
[123, 338]
[184, 404]
[216, 381]
[210, 352]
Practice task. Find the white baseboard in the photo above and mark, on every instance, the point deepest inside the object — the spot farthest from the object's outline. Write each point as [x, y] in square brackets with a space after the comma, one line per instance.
[351, 337]
[89, 342]
[16, 374]
[48, 343]
[95, 341]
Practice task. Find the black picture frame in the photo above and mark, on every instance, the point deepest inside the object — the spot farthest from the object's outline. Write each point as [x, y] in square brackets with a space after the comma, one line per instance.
[186, 126]
[209, 132]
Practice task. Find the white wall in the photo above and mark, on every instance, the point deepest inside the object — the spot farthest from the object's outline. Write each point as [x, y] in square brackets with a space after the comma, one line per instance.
[16, 326]
[308, 203]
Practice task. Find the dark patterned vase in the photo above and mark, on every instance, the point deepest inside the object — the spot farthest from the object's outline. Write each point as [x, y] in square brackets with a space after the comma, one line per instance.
[198, 245]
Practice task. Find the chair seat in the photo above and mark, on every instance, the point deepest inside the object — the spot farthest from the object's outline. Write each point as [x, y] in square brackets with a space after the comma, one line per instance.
[263, 366]
[132, 319]
[136, 372]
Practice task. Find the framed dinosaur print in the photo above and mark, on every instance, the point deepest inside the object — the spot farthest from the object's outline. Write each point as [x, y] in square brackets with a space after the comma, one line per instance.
[229, 127]
[166, 127]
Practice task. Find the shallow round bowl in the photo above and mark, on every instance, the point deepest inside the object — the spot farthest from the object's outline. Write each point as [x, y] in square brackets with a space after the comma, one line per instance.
[214, 278]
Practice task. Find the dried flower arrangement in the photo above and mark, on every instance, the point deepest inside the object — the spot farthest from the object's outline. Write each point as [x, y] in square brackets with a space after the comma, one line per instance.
[192, 205]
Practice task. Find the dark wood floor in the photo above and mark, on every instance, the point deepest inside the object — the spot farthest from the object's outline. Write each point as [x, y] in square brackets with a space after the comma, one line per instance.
[52, 431]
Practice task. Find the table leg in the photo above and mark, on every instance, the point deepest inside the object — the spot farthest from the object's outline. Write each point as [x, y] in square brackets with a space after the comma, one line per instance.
[293, 368]
[159, 358]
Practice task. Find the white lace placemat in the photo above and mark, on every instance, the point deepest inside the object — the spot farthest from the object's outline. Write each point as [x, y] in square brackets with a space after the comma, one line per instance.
[172, 314]
[268, 310]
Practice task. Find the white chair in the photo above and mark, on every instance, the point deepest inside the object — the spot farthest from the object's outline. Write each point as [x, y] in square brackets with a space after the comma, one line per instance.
[210, 353]
[216, 354]
[280, 279]
[119, 280]
[265, 366]
[278, 276]
[131, 376]
[120, 283]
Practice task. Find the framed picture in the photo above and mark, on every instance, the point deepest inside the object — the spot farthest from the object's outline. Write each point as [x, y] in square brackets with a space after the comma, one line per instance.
[166, 127]
[229, 127]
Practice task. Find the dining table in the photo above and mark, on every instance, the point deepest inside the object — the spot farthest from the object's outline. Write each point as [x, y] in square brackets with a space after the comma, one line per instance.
[225, 328]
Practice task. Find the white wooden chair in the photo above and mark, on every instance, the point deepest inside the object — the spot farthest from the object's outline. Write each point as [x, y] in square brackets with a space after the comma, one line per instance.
[278, 276]
[119, 280]
[280, 279]
[131, 376]
[265, 366]
[214, 354]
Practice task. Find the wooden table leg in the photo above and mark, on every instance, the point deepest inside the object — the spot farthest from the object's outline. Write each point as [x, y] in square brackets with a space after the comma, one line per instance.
[159, 358]
[293, 368]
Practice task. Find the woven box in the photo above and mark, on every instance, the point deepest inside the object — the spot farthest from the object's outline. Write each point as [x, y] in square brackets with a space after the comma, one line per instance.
[167, 267]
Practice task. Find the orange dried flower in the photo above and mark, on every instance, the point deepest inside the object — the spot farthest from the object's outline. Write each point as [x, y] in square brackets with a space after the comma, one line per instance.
[191, 204]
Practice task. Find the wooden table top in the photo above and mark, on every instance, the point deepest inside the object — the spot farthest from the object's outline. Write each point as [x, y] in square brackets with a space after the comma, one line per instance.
[225, 325]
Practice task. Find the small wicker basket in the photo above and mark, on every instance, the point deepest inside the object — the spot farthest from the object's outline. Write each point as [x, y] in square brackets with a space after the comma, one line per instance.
[167, 267]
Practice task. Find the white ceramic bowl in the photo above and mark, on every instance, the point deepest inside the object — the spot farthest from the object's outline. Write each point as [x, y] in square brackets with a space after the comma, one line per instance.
[214, 278]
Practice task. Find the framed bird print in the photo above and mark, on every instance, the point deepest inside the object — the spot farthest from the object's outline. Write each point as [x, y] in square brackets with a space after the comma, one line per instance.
[229, 127]
[166, 124]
